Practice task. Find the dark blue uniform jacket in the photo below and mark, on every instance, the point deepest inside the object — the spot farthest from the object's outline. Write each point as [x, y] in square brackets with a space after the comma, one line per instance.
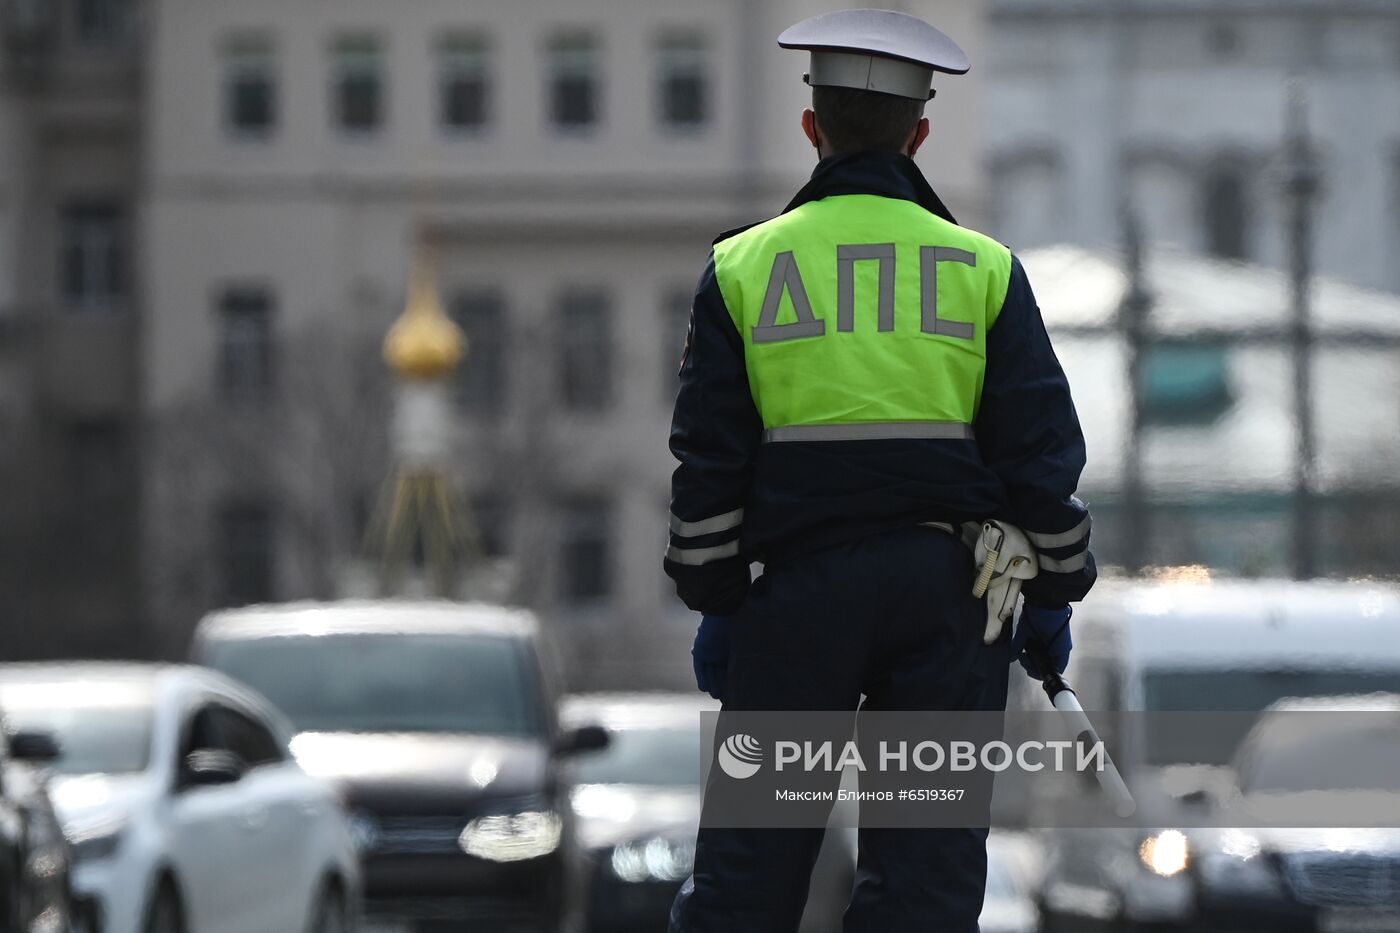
[735, 500]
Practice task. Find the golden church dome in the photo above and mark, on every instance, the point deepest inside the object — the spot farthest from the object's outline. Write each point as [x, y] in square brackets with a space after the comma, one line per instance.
[424, 343]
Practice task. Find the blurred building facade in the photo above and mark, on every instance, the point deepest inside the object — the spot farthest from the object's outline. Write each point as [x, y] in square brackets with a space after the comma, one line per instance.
[1179, 106]
[572, 164]
[208, 212]
[1218, 431]
[71, 307]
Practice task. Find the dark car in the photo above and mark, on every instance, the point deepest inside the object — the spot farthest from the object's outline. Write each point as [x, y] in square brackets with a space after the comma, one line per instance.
[437, 721]
[1182, 646]
[1304, 880]
[34, 886]
[638, 805]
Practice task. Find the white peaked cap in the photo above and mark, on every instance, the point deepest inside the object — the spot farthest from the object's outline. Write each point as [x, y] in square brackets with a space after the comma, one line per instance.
[875, 50]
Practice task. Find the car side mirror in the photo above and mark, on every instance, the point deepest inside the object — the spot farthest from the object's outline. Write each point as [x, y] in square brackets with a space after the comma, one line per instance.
[589, 738]
[34, 747]
[1196, 797]
[1204, 788]
[209, 767]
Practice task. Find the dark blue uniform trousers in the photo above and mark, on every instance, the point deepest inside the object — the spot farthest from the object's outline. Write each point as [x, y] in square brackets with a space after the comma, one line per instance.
[891, 617]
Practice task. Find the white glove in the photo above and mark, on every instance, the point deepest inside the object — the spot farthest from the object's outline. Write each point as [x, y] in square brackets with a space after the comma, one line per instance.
[1005, 558]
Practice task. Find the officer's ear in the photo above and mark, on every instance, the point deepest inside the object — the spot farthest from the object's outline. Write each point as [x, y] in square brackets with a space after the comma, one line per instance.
[809, 126]
[917, 140]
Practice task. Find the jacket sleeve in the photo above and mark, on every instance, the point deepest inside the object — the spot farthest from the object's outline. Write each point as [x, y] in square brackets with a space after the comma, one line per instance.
[715, 434]
[1029, 436]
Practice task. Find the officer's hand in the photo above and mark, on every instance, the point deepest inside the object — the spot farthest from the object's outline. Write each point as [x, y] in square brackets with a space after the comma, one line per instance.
[1046, 629]
[711, 654]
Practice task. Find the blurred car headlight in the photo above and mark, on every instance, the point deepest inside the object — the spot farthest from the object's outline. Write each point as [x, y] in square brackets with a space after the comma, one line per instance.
[603, 802]
[49, 920]
[94, 843]
[44, 863]
[512, 837]
[48, 854]
[1165, 853]
[1239, 867]
[656, 859]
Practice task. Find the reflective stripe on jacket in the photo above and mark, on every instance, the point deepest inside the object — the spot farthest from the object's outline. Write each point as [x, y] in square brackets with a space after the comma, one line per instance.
[861, 363]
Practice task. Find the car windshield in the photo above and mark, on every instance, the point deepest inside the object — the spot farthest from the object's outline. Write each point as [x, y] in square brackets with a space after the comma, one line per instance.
[1242, 690]
[393, 682]
[1251, 690]
[1357, 752]
[668, 757]
[99, 731]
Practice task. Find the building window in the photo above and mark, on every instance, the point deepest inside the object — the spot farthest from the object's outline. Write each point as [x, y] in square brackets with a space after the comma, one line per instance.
[1223, 41]
[684, 81]
[30, 18]
[102, 21]
[245, 337]
[245, 552]
[675, 326]
[358, 84]
[1226, 214]
[585, 562]
[482, 374]
[92, 265]
[573, 81]
[1185, 384]
[250, 86]
[464, 86]
[585, 366]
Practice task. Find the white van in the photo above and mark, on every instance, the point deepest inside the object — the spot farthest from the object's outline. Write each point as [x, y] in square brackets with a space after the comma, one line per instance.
[1232, 644]
[1197, 646]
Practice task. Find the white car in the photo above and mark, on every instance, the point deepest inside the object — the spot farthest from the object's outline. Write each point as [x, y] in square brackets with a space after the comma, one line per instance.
[183, 807]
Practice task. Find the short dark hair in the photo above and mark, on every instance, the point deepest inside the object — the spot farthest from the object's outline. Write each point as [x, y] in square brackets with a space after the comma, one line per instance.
[853, 120]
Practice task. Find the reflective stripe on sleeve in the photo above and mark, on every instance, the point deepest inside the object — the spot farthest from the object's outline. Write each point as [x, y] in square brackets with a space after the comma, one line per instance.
[695, 557]
[1068, 565]
[1061, 539]
[871, 431]
[706, 526]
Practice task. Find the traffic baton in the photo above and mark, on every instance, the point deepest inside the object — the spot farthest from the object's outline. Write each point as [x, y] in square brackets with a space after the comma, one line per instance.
[1063, 698]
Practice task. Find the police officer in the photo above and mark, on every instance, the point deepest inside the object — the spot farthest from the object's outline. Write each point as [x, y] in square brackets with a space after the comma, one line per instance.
[860, 370]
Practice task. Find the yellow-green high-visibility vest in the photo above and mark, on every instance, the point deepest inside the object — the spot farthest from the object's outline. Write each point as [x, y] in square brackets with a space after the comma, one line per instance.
[863, 317]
